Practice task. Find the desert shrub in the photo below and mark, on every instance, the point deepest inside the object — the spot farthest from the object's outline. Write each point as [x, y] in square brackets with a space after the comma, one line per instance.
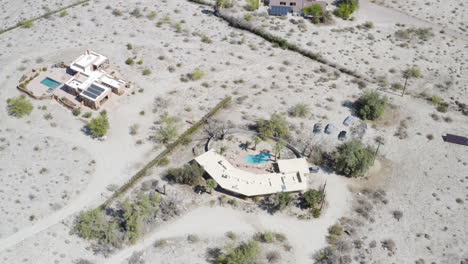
[211, 185]
[83, 261]
[245, 253]
[99, 126]
[193, 238]
[311, 198]
[346, 8]
[190, 174]
[397, 214]
[412, 72]
[152, 15]
[397, 86]
[335, 230]
[299, 110]
[279, 201]
[247, 17]
[129, 61]
[63, 13]
[326, 256]
[253, 5]
[87, 115]
[146, 72]
[370, 106]
[277, 126]
[231, 235]
[197, 74]
[410, 33]
[136, 13]
[26, 23]
[389, 245]
[19, 106]
[265, 237]
[76, 111]
[168, 130]
[134, 129]
[273, 257]
[353, 158]
[223, 4]
[116, 12]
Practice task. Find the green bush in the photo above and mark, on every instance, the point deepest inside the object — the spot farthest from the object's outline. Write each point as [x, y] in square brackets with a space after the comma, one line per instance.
[277, 126]
[129, 61]
[346, 8]
[190, 174]
[168, 130]
[146, 72]
[335, 230]
[311, 198]
[93, 225]
[63, 13]
[412, 72]
[197, 74]
[370, 106]
[76, 111]
[253, 5]
[19, 106]
[27, 23]
[315, 10]
[99, 126]
[245, 253]
[265, 237]
[353, 158]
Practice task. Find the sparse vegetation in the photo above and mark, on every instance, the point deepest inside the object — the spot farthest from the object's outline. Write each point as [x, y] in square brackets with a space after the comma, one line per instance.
[299, 110]
[346, 8]
[190, 174]
[245, 253]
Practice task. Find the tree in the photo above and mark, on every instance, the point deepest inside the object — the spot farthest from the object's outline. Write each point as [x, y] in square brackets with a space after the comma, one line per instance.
[299, 110]
[93, 225]
[218, 129]
[370, 106]
[99, 126]
[315, 10]
[346, 8]
[190, 174]
[311, 198]
[277, 126]
[168, 130]
[353, 158]
[277, 148]
[211, 185]
[19, 106]
[255, 141]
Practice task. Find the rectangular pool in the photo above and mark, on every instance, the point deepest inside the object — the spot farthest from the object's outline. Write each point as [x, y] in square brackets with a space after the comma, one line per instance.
[52, 84]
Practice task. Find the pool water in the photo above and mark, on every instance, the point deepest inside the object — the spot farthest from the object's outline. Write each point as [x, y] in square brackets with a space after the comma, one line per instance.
[52, 84]
[258, 159]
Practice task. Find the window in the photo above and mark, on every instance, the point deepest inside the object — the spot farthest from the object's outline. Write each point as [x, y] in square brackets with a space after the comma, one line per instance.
[292, 4]
[282, 3]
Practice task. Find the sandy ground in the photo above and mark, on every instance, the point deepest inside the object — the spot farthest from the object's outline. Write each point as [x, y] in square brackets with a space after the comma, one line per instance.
[268, 79]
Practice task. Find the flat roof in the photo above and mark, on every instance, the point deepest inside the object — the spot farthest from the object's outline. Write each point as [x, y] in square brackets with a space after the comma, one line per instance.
[111, 81]
[251, 184]
[293, 165]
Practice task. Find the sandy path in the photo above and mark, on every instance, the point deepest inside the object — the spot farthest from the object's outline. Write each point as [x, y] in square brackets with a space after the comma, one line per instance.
[216, 221]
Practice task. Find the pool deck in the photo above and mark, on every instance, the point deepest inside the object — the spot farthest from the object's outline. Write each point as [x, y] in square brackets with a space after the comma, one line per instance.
[57, 74]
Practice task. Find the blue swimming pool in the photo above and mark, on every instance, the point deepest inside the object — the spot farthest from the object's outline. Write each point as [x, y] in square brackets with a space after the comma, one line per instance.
[257, 159]
[52, 84]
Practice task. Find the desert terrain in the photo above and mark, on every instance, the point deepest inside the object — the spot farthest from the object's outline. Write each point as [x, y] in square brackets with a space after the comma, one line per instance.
[50, 170]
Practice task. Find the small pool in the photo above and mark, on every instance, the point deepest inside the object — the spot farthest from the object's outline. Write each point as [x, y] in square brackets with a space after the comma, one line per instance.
[52, 84]
[258, 159]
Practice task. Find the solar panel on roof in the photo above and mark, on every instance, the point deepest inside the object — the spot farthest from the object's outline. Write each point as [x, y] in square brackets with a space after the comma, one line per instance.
[97, 88]
[280, 10]
[91, 95]
[94, 91]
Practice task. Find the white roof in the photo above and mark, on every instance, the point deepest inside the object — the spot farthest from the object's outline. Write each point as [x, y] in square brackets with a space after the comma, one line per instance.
[250, 184]
[111, 81]
[87, 59]
[293, 165]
